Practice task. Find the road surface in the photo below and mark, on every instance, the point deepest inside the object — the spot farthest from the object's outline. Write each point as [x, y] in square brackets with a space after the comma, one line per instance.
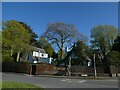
[49, 82]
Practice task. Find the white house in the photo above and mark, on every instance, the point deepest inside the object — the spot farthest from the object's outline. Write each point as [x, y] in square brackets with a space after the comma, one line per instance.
[39, 55]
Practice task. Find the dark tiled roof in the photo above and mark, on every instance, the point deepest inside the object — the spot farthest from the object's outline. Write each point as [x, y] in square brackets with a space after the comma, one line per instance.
[39, 50]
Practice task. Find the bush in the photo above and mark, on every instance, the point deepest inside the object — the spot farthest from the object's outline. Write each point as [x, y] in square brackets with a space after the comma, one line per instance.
[57, 62]
[6, 58]
[113, 58]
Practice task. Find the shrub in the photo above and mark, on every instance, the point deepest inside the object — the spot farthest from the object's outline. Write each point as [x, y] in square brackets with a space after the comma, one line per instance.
[113, 58]
[6, 58]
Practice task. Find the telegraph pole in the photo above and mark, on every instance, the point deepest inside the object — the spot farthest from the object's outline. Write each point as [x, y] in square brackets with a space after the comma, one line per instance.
[69, 67]
[94, 66]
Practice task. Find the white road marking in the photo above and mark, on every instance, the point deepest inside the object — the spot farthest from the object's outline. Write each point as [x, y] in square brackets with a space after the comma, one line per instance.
[82, 81]
[69, 81]
[72, 80]
[63, 80]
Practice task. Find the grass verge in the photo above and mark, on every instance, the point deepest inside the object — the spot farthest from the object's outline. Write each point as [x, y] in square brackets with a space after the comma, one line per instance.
[19, 86]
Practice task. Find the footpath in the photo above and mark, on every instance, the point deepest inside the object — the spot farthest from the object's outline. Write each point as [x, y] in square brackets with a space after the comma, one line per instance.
[67, 77]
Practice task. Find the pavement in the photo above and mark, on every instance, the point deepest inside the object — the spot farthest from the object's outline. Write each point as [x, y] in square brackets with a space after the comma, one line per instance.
[46, 81]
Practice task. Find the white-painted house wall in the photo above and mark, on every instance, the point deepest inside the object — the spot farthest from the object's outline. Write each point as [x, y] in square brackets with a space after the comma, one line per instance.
[40, 55]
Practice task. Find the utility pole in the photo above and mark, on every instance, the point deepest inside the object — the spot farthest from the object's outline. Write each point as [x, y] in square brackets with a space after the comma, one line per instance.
[94, 66]
[69, 67]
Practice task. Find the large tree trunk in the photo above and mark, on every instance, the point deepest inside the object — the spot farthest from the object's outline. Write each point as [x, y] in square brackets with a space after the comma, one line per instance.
[18, 56]
[60, 54]
[62, 47]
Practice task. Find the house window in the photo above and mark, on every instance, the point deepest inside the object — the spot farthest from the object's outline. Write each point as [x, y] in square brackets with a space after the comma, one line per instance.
[42, 55]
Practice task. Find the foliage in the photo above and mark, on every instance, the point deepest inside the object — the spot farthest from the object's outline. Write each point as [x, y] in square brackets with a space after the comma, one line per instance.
[7, 58]
[113, 58]
[15, 38]
[0, 46]
[59, 54]
[81, 48]
[55, 55]
[57, 62]
[43, 43]
[103, 38]
[116, 45]
[82, 52]
[34, 36]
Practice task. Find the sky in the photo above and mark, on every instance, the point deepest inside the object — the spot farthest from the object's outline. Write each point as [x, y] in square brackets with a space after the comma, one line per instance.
[84, 15]
[60, 0]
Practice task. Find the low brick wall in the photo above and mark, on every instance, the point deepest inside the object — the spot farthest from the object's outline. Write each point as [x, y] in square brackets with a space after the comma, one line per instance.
[45, 69]
[38, 69]
[23, 68]
[49, 69]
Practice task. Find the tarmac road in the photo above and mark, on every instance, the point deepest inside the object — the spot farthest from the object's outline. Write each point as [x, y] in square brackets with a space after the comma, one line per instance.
[49, 82]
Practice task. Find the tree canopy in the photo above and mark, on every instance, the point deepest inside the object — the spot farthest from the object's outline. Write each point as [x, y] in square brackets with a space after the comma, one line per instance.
[15, 38]
[18, 38]
[113, 58]
[116, 45]
[82, 53]
[43, 43]
[103, 37]
[34, 36]
[60, 34]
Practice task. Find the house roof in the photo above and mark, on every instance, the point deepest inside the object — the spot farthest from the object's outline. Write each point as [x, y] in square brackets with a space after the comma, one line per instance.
[39, 49]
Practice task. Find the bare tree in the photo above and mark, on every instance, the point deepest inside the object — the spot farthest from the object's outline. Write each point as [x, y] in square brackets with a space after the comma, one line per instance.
[61, 34]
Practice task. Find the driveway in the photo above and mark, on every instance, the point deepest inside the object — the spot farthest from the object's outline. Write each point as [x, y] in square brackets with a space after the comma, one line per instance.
[49, 82]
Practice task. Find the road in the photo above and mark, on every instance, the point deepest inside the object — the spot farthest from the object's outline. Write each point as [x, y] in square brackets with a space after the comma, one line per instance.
[49, 82]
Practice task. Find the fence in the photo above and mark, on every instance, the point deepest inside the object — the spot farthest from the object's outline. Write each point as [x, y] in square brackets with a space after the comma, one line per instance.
[78, 70]
[38, 69]
[28, 68]
[101, 70]
[16, 67]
